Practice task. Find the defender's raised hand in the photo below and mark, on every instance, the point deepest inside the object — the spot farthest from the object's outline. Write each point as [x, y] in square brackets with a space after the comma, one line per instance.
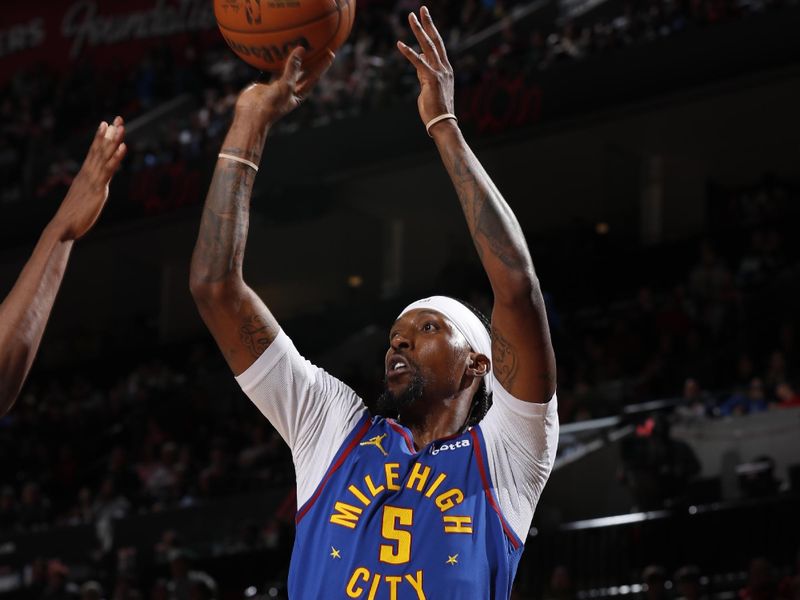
[266, 103]
[433, 68]
[24, 312]
[89, 190]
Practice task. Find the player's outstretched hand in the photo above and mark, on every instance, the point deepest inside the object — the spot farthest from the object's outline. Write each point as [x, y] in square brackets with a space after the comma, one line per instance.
[89, 190]
[433, 69]
[265, 103]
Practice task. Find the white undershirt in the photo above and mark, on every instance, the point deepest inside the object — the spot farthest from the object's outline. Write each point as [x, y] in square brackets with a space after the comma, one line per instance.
[314, 412]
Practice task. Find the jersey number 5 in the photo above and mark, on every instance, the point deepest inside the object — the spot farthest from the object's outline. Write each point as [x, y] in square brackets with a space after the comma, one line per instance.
[398, 552]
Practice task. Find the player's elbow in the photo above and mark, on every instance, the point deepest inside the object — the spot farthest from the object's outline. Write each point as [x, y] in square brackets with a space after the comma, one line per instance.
[206, 292]
[518, 288]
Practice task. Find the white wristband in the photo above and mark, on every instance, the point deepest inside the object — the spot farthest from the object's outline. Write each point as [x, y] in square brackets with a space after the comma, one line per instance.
[244, 161]
[436, 120]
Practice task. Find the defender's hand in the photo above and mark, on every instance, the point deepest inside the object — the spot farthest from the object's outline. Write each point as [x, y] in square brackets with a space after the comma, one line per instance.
[262, 104]
[89, 190]
[433, 69]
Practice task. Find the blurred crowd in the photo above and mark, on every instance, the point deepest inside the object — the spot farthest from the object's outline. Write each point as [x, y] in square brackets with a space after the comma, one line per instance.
[44, 114]
[762, 580]
[705, 338]
[86, 452]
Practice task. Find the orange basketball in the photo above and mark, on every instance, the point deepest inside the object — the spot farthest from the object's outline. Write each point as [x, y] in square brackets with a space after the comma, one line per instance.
[264, 32]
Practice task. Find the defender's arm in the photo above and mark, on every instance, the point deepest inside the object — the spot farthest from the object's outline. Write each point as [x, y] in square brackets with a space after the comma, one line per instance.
[26, 309]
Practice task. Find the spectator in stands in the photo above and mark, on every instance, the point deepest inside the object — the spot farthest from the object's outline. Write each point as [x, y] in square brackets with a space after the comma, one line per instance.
[91, 590]
[261, 450]
[216, 479]
[760, 581]
[560, 587]
[34, 508]
[126, 588]
[657, 467]
[687, 582]
[695, 402]
[83, 512]
[108, 506]
[711, 283]
[745, 370]
[753, 401]
[788, 345]
[58, 586]
[186, 584]
[654, 578]
[786, 395]
[776, 370]
[170, 540]
[162, 479]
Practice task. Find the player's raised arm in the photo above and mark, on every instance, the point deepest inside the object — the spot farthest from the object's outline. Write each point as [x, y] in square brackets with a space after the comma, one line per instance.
[26, 309]
[522, 353]
[237, 318]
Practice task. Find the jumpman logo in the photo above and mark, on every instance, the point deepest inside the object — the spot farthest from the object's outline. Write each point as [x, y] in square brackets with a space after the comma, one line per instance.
[376, 441]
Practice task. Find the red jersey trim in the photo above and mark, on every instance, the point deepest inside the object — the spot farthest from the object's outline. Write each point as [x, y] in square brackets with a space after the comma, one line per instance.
[402, 432]
[360, 433]
[487, 488]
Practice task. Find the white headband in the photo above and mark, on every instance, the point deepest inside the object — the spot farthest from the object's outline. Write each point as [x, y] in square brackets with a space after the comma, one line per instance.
[464, 320]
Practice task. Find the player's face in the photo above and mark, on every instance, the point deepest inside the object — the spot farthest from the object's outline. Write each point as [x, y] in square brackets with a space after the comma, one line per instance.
[427, 358]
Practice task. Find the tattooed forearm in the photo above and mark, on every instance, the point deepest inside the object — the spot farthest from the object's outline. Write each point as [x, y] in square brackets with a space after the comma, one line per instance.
[522, 354]
[494, 229]
[219, 252]
[256, 334]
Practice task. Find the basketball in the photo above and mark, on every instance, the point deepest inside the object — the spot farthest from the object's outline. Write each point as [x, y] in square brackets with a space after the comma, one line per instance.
[263, 32]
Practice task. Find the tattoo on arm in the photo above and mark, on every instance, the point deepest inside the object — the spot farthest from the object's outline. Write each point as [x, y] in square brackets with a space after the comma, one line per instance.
[491, 223]
[256, 334]
[504, 359]
[223, 229]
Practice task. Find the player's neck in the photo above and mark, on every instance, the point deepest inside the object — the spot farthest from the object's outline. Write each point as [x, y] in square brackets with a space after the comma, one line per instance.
[436, 420]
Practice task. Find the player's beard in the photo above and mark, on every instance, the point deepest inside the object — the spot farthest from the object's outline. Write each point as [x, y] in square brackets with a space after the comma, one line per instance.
[391, 405]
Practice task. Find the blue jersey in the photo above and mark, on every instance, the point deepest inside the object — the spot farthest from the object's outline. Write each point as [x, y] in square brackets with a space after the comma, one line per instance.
[390, 523]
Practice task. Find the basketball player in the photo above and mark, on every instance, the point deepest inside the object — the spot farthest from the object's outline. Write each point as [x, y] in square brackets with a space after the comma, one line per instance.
[437, 502]
[24, 312]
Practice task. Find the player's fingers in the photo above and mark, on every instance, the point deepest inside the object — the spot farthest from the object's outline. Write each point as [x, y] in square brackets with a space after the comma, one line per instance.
[112, 139]
[118, 120]
[425, 43]
[97, 141]
[414, 58]
[101, 130]
[434, 35]
[293, 69]
[113, 163]
[317, 70]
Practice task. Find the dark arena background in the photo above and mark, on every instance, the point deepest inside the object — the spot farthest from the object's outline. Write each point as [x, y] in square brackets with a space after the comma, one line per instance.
[651, 150]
